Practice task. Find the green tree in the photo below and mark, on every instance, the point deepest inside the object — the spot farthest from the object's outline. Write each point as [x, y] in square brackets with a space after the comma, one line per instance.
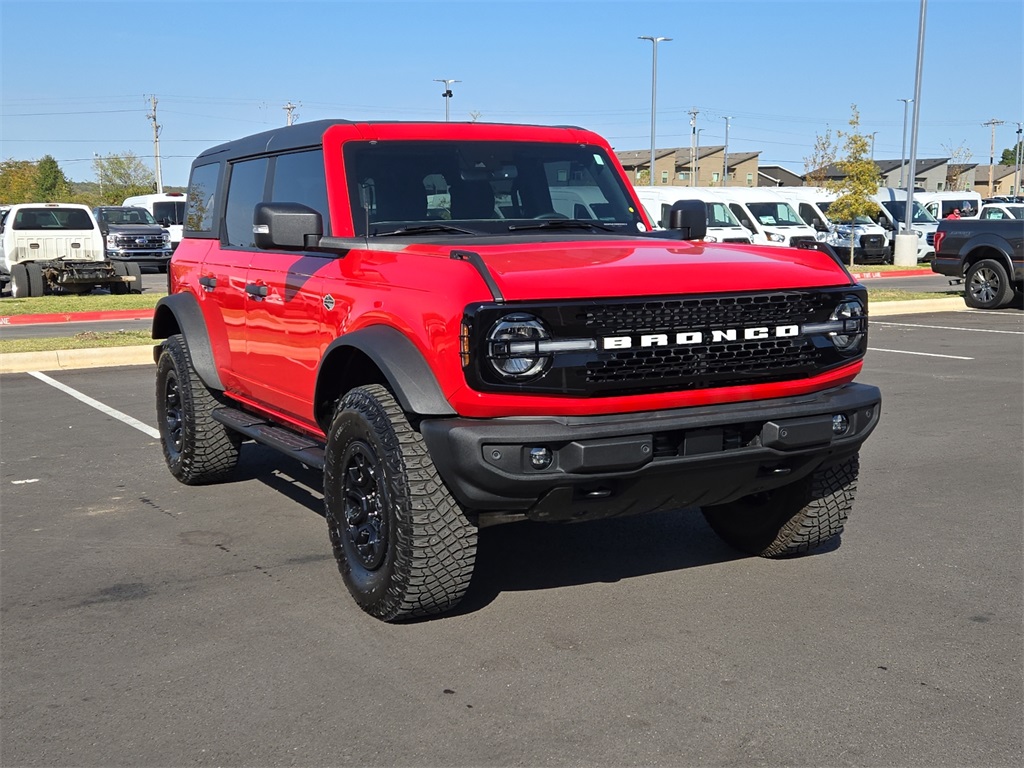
[52, 186]
[1010, 154]
[822, 156]
[859, 178]
[122, 176]
[18, 181]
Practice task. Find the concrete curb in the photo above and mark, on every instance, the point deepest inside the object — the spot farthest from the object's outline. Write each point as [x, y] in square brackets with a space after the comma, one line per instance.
[916, 306]
[20, 362]
[65, 359]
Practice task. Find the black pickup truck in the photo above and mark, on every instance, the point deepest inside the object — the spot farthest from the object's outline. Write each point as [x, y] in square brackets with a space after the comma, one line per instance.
[987, 254]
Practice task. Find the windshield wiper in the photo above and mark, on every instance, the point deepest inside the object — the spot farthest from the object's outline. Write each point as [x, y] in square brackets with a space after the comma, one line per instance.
[426, 229]
[568, 224]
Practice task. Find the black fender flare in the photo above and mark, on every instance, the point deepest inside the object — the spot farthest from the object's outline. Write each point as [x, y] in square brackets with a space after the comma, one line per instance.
[409, 376]
[180, 312]
[988, 242]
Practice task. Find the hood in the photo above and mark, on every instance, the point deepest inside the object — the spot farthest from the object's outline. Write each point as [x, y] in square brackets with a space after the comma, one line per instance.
[133, 229]
[539, 271]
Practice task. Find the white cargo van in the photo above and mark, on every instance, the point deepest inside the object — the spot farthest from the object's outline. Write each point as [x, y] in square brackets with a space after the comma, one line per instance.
[722, 224]
[893, 204]
[765, 214]
[168, 208]
[942, 204]
[870, 241]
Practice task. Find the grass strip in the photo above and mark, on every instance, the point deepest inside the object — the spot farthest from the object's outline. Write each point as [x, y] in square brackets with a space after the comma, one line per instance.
[92, 302]
[85, 340]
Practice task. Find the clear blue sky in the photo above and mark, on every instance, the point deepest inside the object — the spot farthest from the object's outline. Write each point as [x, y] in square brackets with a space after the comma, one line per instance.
[76, 76]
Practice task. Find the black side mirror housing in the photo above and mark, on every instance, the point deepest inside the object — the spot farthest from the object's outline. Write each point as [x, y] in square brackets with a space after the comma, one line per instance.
[286, 227]
[690, 217]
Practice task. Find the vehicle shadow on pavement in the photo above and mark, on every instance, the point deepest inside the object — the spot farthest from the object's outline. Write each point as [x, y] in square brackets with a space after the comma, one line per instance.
[529, 556]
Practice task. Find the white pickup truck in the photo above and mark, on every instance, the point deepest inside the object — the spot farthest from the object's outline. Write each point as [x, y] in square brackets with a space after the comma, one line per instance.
[57, 248]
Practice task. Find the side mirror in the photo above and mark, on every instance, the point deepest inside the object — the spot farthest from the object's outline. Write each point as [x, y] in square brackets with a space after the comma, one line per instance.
[286, 226]
[820, 226]
[690, 217]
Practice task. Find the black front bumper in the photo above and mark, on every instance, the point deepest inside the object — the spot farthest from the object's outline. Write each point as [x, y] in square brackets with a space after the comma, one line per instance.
[602, 466]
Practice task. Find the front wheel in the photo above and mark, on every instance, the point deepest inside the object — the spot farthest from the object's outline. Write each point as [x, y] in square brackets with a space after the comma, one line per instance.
[793, 519]
[403, 545]
[988, 285]
[198, 449]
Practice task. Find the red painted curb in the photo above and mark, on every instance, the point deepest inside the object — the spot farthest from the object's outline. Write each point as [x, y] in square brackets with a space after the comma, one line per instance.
[78, 317]
[893, 273]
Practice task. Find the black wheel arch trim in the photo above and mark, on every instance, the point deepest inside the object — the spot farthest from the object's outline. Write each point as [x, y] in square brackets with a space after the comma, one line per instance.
[409, 376]
[187, 320]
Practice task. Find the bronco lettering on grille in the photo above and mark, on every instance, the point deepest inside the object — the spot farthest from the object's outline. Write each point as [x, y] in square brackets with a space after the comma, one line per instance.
[685, 338]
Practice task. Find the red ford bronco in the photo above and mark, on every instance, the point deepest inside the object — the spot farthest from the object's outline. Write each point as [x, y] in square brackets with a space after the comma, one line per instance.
[471, 324]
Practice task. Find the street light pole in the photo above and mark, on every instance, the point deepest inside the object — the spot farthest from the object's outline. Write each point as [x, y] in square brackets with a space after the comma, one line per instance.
[654, 88]
[905, 250]
[447, 94]
[873, 134]
[903, 149]
[725, 158]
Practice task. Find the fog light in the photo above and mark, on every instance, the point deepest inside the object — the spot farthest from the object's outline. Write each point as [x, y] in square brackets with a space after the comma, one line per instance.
[840, 424]
[540, 458]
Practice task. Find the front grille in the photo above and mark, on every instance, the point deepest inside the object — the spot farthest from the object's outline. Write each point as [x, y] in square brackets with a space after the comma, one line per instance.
[800, 239]
[139, 242]
[670, 343]
[930, 239]
[872, 241]
[744, 240]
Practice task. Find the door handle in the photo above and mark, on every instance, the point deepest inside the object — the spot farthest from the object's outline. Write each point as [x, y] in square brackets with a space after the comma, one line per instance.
[208, 283]
[258, 292]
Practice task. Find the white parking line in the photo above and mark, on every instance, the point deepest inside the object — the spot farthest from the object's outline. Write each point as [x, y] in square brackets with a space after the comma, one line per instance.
[947, 328]
[921, 354]
[123, 417]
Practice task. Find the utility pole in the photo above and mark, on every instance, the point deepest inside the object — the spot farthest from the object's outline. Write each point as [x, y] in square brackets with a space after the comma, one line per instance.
[875, 133]
[1018, 152]
[447, 94]
[156, 143]
[992, 155]
[725, 156]
[290, 109]
[654, 89]
[693, 146]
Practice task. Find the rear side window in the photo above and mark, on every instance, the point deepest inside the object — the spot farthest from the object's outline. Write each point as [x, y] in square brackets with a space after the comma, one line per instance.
[246, 188]
[299, 178]
[202, 199]
[170, 211]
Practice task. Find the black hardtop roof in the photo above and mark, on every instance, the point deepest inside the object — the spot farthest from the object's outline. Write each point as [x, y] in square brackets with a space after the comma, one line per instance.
[300, 136]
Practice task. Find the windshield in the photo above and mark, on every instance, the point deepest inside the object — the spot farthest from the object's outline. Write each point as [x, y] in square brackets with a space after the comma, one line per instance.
[719, 215]
[485, 186]
[856, 219]
[122, 216]
[898, 209]
[776, 215]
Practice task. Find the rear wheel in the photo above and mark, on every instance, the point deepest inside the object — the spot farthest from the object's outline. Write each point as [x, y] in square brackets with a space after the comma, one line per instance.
[20, 286]
[987, 285]
[36, 281]
[134, 271]
[198, 450]
[793, 519]
[120, 288]
[403, 545]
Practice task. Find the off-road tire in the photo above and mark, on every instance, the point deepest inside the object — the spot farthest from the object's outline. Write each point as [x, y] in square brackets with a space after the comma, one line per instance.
[987, 286]
[121, 270]
[403, 544]
[198, 450]
[791, 520]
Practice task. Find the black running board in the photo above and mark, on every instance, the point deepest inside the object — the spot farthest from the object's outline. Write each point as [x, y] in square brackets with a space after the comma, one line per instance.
[300, 447]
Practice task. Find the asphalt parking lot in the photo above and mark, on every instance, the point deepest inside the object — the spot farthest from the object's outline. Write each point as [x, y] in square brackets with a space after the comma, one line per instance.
[145, 623]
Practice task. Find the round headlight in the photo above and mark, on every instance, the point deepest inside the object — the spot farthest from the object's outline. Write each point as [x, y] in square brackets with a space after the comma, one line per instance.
[512, 345]
[850, 313]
